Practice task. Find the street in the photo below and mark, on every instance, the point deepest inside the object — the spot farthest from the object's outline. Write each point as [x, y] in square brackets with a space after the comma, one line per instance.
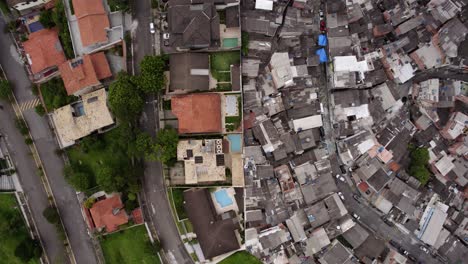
[154, 196]
[65, 196]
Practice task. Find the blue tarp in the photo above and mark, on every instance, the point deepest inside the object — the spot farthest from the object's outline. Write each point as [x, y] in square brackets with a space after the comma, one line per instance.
[322, 40]
[35, 26]
[322, 55]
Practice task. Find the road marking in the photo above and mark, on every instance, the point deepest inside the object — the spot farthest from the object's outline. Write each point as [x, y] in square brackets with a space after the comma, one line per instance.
[29, 104]
[152, 208]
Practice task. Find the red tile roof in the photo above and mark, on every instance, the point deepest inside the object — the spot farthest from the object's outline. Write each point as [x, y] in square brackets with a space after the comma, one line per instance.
[363, 186]
[109, 213]
[84, 72]
[44, 50]
[92, 21]
[198, 113]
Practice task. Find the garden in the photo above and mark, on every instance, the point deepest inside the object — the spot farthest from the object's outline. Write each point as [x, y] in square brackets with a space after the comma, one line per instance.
[129, 246]
[220, 63]
[16, 245]
[233, 123]
[241, 257]
[54, 94]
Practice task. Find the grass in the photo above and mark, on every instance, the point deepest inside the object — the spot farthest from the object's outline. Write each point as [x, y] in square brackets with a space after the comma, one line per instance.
[221, 64]
[223, 87]
[10, 240]
[130, 246]
[178, 199]
[241, 257]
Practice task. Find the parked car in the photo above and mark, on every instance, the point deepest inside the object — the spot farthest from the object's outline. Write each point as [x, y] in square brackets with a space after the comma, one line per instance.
[357, 198]
[152, 30]
[340, 178]
[412, 258]
[424, 249]
[340, 194]
[356, 216]
[394, 244]
[343, 169]
[166, 35]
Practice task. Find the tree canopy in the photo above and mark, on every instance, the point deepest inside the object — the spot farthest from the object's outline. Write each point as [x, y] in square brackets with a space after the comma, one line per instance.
[152, 79]
[125, 101]
[419, 160]
[28, 249]
[46, 18]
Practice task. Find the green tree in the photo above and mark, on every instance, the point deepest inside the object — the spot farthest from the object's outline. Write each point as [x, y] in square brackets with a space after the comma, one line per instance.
[125, 101]
[40, 110]
[164, 148]
[421, 173]
[81, 181]
[110, 179]
[28, 249]
[21, 125]
[5, 89]
[143, 143]
[89, 202]
[51, 214]
[152, 79]
[419, 157]
[419, 160]
[46, 18]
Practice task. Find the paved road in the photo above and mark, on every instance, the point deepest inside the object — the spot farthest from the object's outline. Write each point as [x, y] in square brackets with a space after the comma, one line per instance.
[45, 141]
[154, 196]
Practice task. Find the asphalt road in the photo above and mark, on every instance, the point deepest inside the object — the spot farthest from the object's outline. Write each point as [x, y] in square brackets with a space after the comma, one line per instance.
[65, 196]
[154, 193]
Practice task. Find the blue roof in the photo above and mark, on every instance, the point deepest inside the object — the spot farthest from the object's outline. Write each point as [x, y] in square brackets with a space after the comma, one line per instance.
[322, 55]
[322, 40]
[35, 26]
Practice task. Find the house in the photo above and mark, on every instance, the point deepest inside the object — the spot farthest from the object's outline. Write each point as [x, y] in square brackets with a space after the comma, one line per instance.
[193, 26]
[217, 234]
[80, 119]
[83, 74]
[432, 221]
[189, 72]
[317, 240]
[348, 71]
[108, 214]
[97, 31]
[25, 6]
[450, 36]
[337, 254]
[203, 160]
[456, 126]
[43, 52]
[198, 113]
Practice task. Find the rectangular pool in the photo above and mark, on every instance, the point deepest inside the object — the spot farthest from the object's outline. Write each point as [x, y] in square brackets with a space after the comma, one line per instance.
[235, 142]
[230, 42]
[223, 198]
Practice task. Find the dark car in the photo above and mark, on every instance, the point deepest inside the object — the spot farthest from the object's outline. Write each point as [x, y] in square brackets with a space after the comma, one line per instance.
[412, 258]
[343, 169]
[357, 198]
[395, 244]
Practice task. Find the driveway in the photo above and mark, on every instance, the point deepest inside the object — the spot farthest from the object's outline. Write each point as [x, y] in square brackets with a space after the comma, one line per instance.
[67, 203]
[154, 196]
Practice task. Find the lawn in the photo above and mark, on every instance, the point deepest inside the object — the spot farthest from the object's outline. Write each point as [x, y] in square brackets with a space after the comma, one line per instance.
[241, 257]
[54, 94]
[178, 199]
[129, 246]
[10, 239]
[221, 64]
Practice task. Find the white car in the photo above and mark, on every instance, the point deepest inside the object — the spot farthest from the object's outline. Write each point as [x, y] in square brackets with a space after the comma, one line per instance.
[340, 194]
[425, 249]
[166, 35]
[152, 30]
[340, 178]
[356, 216]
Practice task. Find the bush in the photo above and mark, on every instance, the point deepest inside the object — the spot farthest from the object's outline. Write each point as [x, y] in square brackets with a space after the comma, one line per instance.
[40, 110]
[28, 249]
[21, 125]
[28, 141]
[51, 214]
[55, 95]
[46, 18]
[5, 89]
[89, 202]
[60, 19]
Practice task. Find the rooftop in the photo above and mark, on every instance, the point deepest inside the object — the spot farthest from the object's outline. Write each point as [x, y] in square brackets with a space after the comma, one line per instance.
[198, 113]
[84, 72]
[92, 21]
[189, 72]
[109, 213]
[78, 120]
[43, 50]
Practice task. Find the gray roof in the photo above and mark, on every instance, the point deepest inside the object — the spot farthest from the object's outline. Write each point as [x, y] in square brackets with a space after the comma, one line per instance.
[317, 214]
[232, 16]
[337, 254]
[356, 235]
[182, 76]
[378, 180]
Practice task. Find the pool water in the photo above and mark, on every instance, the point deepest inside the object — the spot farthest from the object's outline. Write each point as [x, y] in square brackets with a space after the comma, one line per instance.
[235, 142]
[223, 198]
[230, 42]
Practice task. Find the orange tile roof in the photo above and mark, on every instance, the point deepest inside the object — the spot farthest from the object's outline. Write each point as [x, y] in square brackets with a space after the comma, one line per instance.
[101, 66]
[84, 72]
[137, 216]
[44, 50]
[92, 21]
[109, 213]
[198, 113]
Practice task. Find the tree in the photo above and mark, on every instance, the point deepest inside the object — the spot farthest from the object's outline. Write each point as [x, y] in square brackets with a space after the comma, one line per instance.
[81, 181]
[419, 160]
[419, 157]
[110, 179]
[51, 214]
[125, 101]
[143, 143]
[5, 89]
[152, 79]
[421, 173]
[28, 249]
[89, 202]
[46, 18]
[164, 148]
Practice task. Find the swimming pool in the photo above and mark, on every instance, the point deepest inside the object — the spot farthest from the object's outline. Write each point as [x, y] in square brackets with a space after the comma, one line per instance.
[235, 142]
[223, 198]
[230, 42]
